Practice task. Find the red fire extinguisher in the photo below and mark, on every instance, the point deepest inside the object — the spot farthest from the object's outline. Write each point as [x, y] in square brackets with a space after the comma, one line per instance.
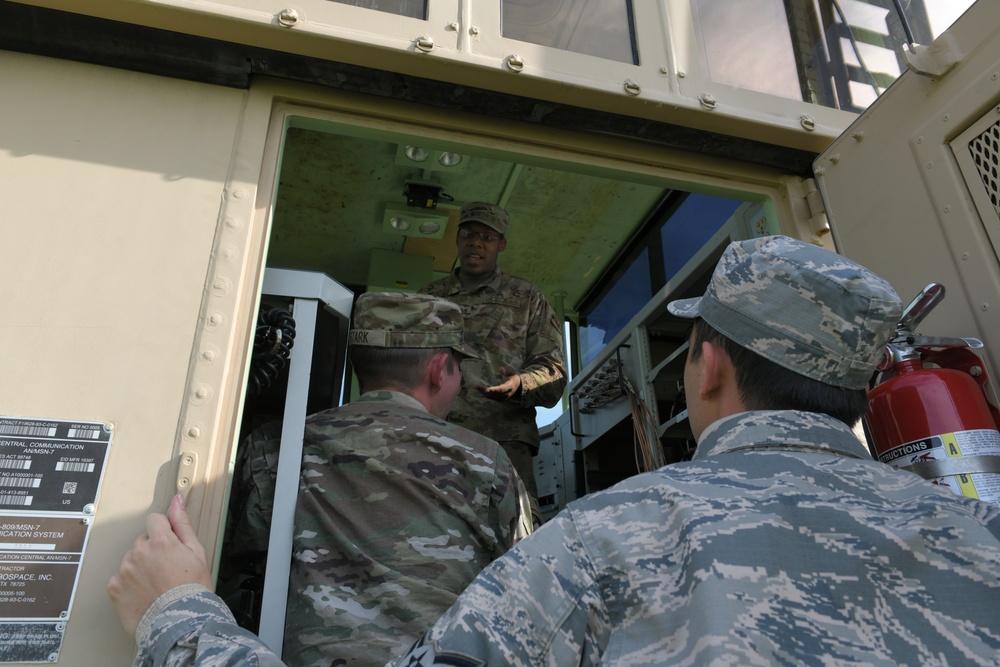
[930, 412]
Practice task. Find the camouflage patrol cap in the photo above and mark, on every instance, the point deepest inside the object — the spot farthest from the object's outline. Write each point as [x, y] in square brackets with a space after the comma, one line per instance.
[807, 309]
[406, 320]
[490, 215]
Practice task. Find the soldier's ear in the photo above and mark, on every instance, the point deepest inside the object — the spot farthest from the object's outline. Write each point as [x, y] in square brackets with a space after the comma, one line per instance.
[437, 369]
[713, 359]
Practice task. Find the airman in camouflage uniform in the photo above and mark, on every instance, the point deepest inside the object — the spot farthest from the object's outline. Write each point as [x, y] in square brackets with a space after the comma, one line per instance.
[517, 334]
[780, 542]
[397, 512]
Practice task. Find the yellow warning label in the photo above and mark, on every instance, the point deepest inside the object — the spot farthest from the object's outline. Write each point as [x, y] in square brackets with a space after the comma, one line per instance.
[979, 442]
[968, 488]
[951, 445]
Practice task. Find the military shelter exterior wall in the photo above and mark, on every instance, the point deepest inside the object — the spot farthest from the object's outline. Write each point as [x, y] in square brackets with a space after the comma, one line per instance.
[116, 187]
[897, 199]
[137, 209]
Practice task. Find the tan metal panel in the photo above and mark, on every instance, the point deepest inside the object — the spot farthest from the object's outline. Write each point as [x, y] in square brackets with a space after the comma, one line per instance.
[460, 42]
[896, 196]
[133, 244]
[118, 188]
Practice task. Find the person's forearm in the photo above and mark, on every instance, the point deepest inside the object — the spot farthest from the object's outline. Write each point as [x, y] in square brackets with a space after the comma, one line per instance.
[542, 384]
[191, 626]
[543, 375]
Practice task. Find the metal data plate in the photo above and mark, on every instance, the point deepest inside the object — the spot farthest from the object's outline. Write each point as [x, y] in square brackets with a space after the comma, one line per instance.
[50, 476]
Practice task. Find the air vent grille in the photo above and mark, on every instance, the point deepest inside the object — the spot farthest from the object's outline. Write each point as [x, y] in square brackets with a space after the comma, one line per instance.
[985, 150]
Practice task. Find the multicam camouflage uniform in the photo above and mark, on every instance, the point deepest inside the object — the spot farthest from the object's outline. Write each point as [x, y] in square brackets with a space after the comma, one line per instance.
[397, 512]
[509, 323]
[781, 543]
[252, 502]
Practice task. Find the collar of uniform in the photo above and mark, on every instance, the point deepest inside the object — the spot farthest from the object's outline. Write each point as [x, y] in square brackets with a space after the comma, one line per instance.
[780, 429]
[391, 396]
[493, 283]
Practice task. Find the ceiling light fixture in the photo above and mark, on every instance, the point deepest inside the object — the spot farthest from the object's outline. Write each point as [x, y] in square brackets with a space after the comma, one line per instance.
[416, 153]
[399, 223]
[449, 159]
[418, 222]
[430, 159]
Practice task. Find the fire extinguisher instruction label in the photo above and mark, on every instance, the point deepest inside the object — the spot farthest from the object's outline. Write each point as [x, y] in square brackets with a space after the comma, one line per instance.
[979, 442]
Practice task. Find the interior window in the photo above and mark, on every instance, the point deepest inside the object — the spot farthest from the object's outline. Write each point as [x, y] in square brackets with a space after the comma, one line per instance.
[625, 298]
[734, 48]
[837, 53]
[601, 28]
[416, 9]
[677, 230]
[690, 227]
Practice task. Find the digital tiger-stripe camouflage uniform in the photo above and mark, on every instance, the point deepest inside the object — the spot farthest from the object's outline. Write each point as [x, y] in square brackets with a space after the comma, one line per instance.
[397, 512]
[781, 543]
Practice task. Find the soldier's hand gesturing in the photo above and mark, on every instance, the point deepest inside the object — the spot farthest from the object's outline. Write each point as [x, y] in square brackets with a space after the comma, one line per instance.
[509, 388]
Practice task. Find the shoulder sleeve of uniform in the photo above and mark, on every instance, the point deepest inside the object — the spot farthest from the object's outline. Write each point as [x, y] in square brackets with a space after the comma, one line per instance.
[538, 605]
[252, 501]
[543, 376]
[512, 504]
[190, 625]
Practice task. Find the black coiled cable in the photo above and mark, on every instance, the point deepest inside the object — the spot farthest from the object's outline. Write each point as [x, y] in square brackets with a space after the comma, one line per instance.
[272, 347]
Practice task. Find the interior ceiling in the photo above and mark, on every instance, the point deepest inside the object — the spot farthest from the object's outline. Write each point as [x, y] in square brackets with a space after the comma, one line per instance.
[565, 226]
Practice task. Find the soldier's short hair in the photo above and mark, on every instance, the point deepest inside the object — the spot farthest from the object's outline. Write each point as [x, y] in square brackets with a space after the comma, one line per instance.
[394, 367]
[764, 385]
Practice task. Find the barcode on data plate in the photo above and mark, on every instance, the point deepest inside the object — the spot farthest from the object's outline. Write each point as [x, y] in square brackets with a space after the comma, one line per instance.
[16, 500]
[20, 482]
[35, 431]
[84, 433]
[69, 466]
